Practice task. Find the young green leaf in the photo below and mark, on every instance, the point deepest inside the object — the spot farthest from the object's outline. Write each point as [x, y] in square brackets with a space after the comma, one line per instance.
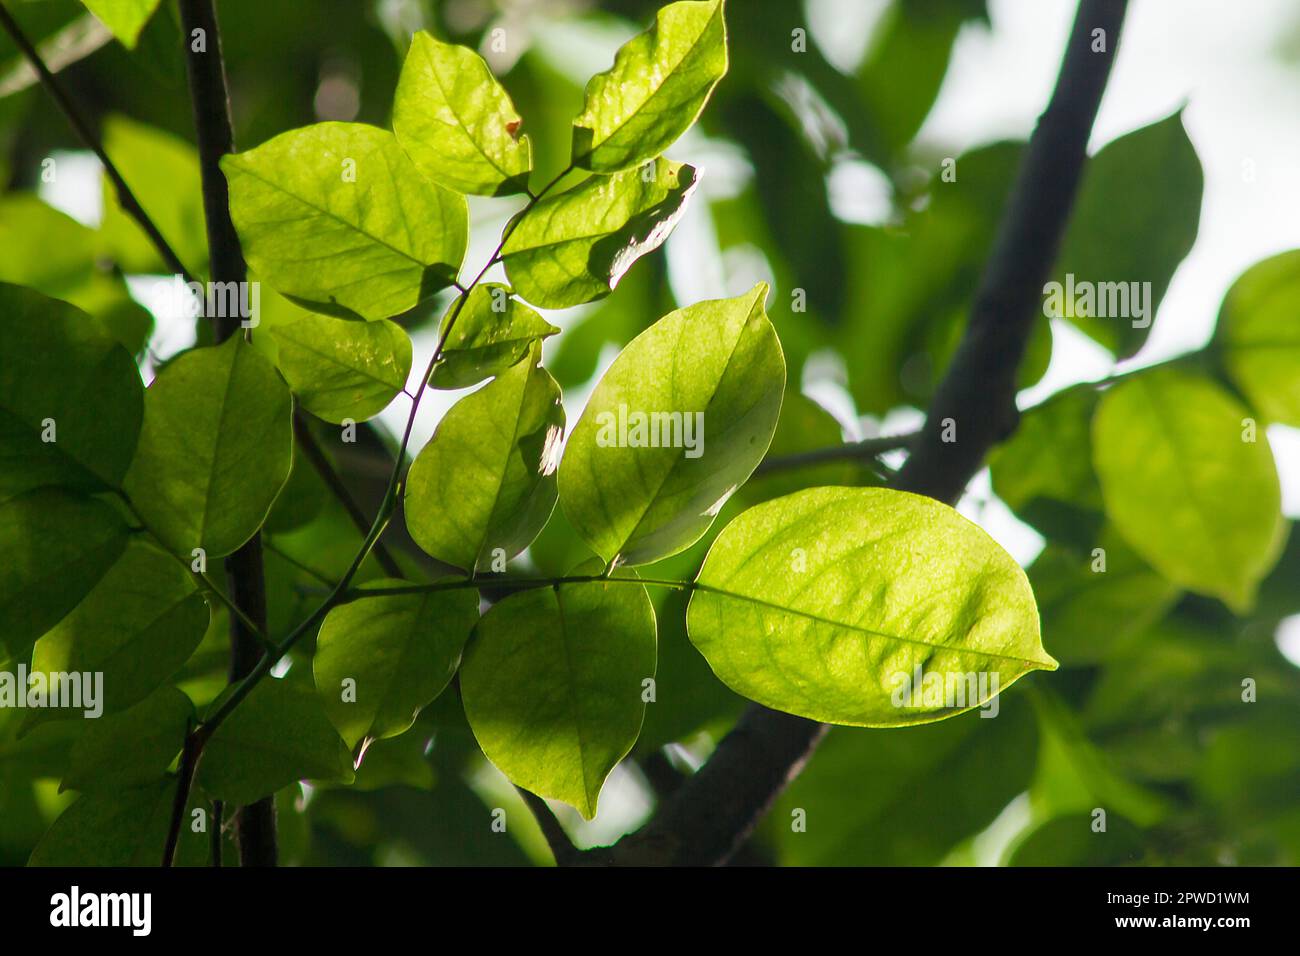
[215, 450]
[56, 547]
[484, 485]
[1260, 337]
[279, 734]
[656, 89]
[492, 332]
[133, 748]
[380, 660]
[137, 627]
[552, 685]
[70, 397]
[336, 216]
[457, 123]
[678, 423]
[124, 18]
[863, 606]
[343, 368]
[1185, 483]
[574, 247]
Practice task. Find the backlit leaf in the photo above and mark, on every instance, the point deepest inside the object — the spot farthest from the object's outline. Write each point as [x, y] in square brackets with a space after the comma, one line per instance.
[851, 605]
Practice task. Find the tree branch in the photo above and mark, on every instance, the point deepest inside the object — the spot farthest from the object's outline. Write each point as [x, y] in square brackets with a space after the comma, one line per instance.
[562, 847]
[715, 811]
[254, 824]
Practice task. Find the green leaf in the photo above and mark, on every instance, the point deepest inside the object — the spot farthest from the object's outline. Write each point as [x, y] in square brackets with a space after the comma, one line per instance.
[655, 90]
[1135, 220]
[1071, 840]
[70, 397]
[1044, 472]
[337, 216]
[1260, 338]
[137, 627]
[133, 748]
[343, 368]
[552, 685]
[1075, 591]
[493, 331]
[399, 651]
[118, 828]
[825, 604]
[574, 247]
[1195, 501]
[457, 123]
[215, 450]
[163, 173]
[125, 18]
[56, 547]
[279, 734]
[705, 384]
[906, 797]
[486, 480]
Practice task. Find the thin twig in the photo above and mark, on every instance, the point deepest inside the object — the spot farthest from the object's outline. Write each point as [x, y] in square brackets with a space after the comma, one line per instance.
[87, 135]
[864, 452]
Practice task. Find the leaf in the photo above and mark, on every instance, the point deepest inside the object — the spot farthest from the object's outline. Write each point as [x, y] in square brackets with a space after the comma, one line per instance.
[279, 734]
[162, 171]
[1195, 501]
[70, 397]
[457, 123]
[906, 797]
[575, 247]
[400, 652]
[341, 368]
[1260, 338]
[133, 748]
[713, 374]
[1076, 591]
[493, 331]
[337, 216]
[215, 450]
[552, 685]
[137, 628]
[125, 18]
[1135, 220]
[56, 546]
[1072, 840]
[656, 89]
[1044, 472]
[118, 828]
[826, 603]
[486, 480]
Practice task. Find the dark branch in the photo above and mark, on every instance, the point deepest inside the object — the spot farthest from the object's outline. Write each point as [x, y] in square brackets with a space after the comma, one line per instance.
[254, 824]
[562, 847]
[712, 815]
